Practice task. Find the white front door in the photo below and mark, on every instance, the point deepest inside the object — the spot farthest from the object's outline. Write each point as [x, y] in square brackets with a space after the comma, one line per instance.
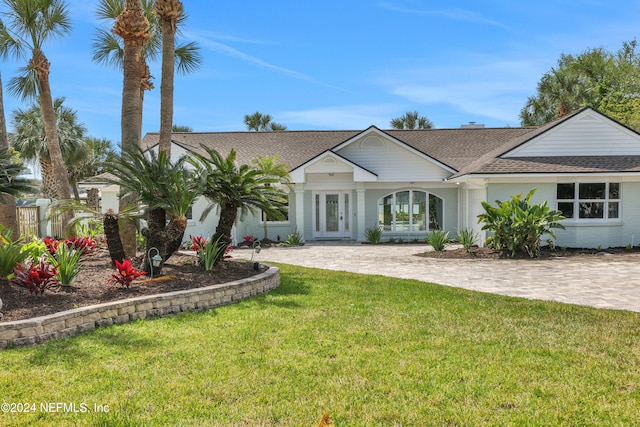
[331, 214]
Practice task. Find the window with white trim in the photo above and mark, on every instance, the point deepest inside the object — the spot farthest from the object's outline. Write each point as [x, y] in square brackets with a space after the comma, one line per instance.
[589, 200]
[410, 211]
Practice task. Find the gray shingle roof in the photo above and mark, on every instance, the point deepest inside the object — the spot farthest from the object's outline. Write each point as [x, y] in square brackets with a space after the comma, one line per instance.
[455, 147]
[467, 150]
[562, 164]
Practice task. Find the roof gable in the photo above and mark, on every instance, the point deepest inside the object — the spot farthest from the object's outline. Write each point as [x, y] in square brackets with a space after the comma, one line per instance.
[330, 162]
[586, 133]
[372, 148]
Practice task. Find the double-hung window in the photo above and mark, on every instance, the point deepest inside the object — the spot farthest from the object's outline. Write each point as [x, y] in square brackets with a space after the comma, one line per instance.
[584, 201]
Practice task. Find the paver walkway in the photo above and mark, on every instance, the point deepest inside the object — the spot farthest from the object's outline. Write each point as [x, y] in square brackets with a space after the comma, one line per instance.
[604, 281]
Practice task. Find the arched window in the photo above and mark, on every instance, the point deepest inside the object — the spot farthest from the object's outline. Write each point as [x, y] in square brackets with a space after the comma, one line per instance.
[408, 211]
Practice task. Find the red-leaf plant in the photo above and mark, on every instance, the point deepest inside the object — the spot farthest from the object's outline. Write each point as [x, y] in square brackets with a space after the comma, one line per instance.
[36, 278]
[248, 239]
[125, 274]
[51, 244]
[197, 243]
[84, 244]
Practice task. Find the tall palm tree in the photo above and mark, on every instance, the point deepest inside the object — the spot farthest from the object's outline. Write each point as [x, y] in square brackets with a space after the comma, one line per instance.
[411, 120]
[109, 50]
[259, 122]
[8, 213]
[235, 190]
[169, 12]
[30, 140]
[271, 166]
[166, 189]
[133, 27]
[26, 26]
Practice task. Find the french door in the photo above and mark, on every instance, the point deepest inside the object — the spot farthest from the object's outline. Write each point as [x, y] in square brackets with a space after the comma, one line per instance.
[331, 215]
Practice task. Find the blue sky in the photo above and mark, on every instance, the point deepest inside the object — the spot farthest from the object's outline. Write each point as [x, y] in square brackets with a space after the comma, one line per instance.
[344, 64]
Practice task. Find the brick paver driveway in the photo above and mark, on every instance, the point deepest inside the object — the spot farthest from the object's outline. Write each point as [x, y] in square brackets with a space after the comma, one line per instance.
[604, 281]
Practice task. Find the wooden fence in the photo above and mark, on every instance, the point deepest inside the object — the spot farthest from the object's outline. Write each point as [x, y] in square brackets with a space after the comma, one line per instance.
[29, 221]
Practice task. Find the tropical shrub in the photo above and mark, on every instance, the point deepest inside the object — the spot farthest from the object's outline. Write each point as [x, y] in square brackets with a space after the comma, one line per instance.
[68, 263]
[373, 234]
[438, 239]
[125, 274]
[210, 251]
[249, 239]
[36, 278]
[467, 238]
[11, 254]
[517, 225]
[294, 239]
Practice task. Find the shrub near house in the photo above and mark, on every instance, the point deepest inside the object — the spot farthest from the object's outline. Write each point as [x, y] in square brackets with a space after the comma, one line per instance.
[517, 225]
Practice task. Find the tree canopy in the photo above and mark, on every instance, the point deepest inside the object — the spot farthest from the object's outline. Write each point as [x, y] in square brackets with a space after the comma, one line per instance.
[597, 78]
[411, 120]
[259, 122]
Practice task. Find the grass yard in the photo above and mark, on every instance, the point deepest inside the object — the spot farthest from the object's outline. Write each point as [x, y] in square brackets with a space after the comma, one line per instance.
[369, 350]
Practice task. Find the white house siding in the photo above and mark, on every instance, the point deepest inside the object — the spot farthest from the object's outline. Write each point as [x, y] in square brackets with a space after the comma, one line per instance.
[393, 163]
[587, 135]
[584, 234]
[470, 208]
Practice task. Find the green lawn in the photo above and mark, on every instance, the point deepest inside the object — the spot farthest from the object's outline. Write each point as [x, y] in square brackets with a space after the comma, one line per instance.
[369, 350]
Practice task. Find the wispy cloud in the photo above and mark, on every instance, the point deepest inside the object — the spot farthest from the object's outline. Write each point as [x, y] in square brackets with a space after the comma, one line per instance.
[455, 14]
[206, 40]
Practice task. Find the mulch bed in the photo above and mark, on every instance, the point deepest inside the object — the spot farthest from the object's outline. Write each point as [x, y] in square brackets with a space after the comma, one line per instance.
[91, 286]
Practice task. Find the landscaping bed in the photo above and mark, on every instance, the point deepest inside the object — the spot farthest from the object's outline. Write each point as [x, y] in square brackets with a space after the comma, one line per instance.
[91, 286]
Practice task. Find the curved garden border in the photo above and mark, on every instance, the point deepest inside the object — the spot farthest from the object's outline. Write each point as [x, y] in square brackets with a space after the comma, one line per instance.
[73, 322]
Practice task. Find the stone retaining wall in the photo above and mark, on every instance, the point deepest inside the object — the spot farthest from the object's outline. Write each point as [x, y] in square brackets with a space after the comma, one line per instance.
[74, 322]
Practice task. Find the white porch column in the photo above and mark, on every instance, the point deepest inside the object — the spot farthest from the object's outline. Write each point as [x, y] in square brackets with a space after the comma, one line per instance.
[360, 202]
[299, 191]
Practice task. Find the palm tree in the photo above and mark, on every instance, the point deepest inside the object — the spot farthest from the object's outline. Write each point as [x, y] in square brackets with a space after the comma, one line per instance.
[236, 190]
[259, 122]
[166, 189]
[108, 49]
[30, 140]
[8, 213]
[133, 27]
[272, 166]
[411, 120]
[26, 25]
[111, 50]
[169, 12]
[181, 128]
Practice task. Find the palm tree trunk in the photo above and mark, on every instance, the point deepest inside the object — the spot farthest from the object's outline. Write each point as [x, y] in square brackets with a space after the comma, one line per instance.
[168, 71]
[228, 214]
[175, 233]
[156, 235]
[112, 233]
[8, 212]
[40, 63]
[133, 27]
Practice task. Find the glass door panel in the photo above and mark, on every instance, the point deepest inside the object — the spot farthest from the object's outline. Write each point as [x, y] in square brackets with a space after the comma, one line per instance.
[332, 213]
